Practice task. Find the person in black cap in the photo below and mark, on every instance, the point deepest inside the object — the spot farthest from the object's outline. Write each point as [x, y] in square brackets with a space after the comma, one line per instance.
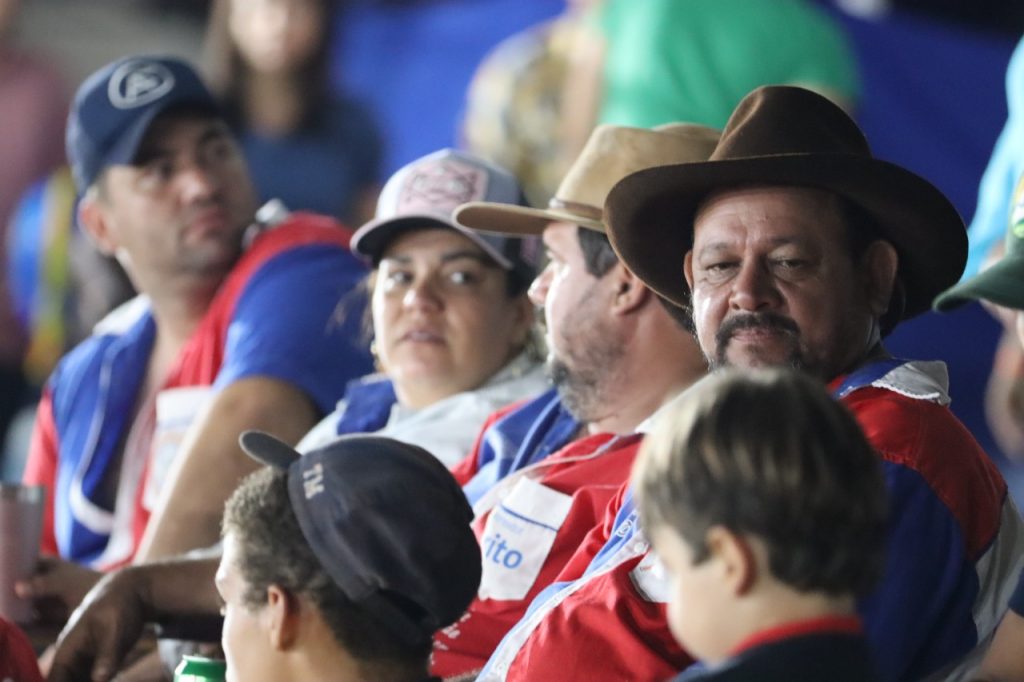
[341, 564]
[230, 334]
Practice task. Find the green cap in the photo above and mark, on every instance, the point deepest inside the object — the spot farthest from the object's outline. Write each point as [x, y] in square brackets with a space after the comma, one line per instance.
[1003, 282]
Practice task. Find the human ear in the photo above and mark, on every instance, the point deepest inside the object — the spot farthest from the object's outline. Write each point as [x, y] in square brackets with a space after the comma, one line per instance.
[524, 314]
[734, 558]
[688, 269]
[879, 265]
[95, 224]
[630, 293]
[281, 618]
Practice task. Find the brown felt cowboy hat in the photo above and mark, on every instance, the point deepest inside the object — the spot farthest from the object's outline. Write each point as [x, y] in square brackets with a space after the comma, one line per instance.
[612, 152]
[781, 135]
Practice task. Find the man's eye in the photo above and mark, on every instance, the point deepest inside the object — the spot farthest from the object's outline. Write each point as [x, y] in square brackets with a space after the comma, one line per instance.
[463, 277]
[791, 263]
[397, 278]
[220, 150]
[158, 170]
[718, 268]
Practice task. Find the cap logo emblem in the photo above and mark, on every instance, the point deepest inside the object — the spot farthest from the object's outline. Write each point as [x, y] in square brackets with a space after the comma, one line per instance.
[313, 480]
[137, 83]
[444, 184]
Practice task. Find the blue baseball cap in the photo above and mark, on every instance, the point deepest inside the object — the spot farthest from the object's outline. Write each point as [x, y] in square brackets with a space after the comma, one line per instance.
[114, 107]
[387, 522]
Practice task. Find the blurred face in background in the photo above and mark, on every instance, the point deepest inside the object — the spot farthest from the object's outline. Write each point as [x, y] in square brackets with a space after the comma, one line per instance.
[180, 209]
[277, 36]
[443, 319]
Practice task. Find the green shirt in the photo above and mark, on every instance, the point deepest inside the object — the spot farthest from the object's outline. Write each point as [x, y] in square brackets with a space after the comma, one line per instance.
[694, 60]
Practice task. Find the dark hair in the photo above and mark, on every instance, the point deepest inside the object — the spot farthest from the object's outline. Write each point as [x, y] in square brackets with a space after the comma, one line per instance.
[598, 256]
[273, 551]
[230, 71]
[862, 230]
[771, 454]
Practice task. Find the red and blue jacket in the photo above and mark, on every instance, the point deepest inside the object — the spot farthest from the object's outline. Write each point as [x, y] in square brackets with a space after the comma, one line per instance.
[275, 315]
[538, 489]
[956, 546]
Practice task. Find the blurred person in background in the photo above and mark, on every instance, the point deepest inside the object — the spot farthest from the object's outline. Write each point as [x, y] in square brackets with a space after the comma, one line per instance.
[659, 61]
[61, 287]
[1004, 395]
[513, 110]
[307, 145]
[216, 345]
[33, 107]
[1000, 287]
[536, 97]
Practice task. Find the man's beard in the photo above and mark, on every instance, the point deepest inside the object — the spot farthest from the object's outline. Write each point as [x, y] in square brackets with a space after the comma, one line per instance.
[766, 320]
[582, 381]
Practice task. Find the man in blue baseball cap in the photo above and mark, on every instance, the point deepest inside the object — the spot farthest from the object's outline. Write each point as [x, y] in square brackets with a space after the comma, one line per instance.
[235, 327]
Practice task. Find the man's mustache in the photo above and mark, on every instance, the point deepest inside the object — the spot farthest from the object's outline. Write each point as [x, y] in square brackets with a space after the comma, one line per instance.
[765, 320]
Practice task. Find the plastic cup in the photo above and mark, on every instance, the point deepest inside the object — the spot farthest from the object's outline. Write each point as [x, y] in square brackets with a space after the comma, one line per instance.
[21, 526]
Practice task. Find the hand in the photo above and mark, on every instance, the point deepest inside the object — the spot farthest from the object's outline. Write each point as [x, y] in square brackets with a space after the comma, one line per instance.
[102, 630]
[56, 588]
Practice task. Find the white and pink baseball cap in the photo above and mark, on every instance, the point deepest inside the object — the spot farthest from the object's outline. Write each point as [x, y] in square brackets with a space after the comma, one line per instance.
[426, 192]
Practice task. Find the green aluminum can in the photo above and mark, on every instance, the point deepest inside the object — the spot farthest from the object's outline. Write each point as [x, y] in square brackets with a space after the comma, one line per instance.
[200, 669]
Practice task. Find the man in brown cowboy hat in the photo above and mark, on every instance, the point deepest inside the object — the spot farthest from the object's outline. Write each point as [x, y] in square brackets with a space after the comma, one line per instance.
[793, 246]
[543, 472]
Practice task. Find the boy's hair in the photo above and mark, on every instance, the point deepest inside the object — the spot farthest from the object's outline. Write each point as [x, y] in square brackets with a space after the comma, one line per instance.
[769, 454]
[273, 551]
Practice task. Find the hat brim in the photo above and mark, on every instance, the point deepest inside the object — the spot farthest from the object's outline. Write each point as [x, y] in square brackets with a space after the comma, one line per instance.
[1002, 284]
[650, 215]
[268, 450]
[125, 151]
[372, 239]
[485, 216]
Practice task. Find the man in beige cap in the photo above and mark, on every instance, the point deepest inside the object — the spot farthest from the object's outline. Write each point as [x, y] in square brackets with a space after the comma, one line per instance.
[544, 472]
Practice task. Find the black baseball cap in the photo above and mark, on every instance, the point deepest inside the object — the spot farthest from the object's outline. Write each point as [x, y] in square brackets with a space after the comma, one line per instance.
[115, 106]
[388, 523]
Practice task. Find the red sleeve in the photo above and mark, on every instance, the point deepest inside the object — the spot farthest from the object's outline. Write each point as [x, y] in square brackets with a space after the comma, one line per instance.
[594, 540]
[17, 659]
[466, 469]
[41, 467]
